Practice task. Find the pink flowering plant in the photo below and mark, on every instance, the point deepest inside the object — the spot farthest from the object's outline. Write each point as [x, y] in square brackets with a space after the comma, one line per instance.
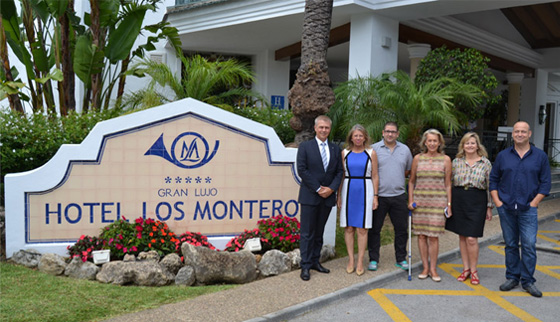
[84, 247]
[236, 243]
[281, 231]
[121, 238]
[196, 239]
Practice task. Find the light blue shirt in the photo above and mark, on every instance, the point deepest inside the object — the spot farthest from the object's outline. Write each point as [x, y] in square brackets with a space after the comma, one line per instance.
[391, 168]
[326, 148]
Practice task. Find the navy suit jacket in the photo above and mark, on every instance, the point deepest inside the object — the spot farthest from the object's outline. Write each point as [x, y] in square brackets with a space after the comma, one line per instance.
[313, 175]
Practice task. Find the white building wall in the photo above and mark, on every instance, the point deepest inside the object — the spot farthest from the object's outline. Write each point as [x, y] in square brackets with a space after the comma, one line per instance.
[373, 45]
[272, 76]
[533, 95]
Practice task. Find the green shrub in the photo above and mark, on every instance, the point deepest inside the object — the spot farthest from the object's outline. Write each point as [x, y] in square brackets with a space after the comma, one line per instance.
[275, 118]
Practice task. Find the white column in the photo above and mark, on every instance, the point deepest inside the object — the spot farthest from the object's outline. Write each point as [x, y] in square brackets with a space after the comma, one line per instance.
[273, 76]
[416, 52]
[373, 45]
[533, 95]
[514, 96]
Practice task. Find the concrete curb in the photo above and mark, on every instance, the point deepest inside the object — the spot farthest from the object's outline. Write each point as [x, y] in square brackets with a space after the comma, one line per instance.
[377, 282]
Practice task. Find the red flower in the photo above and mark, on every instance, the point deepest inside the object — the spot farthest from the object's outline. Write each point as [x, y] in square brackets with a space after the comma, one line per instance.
[139, 220]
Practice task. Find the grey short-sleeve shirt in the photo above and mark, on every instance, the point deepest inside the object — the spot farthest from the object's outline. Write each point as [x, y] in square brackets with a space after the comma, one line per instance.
[391, 168]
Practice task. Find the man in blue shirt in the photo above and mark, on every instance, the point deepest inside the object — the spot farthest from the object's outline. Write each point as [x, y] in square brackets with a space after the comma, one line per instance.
[519, 181]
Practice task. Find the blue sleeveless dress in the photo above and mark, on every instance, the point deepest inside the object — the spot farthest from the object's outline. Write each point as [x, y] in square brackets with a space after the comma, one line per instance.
[357, 191]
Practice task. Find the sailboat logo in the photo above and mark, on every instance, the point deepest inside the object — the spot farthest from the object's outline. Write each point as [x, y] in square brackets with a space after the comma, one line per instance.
[189, 150]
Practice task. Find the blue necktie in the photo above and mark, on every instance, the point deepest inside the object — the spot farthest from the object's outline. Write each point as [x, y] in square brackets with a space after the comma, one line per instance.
[324, 155]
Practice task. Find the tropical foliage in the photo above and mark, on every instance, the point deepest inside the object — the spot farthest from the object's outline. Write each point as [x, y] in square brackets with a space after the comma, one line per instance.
[97, 49]
[220, 83]
[396, 97]
[468, 66]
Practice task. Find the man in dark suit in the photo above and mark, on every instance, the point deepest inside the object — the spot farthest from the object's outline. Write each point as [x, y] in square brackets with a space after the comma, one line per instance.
[319, 166]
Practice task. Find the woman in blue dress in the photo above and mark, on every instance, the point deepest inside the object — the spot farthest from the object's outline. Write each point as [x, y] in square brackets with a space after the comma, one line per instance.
[357, 194]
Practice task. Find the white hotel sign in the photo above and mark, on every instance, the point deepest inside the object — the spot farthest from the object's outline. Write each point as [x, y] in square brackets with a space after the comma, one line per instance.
[192, 165]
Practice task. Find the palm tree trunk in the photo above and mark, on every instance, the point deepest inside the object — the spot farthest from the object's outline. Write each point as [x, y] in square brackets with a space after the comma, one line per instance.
[13, 99]
[122, 80]
[29, 24]
[96, 81]
[68, 103]
[311, 94]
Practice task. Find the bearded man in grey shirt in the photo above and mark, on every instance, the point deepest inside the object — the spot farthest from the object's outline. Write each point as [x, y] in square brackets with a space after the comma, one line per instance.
[395, 161]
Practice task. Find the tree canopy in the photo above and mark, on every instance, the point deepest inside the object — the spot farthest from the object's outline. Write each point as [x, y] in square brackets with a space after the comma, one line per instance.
[468, 66]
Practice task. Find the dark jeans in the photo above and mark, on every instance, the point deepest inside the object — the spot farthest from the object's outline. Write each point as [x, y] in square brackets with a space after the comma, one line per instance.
[520, 226]
[312, 226]
[397, 207]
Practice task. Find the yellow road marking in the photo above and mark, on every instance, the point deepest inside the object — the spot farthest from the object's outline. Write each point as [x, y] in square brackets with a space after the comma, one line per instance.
[391, 309]
[498, 249]
[497, 297]
[554, 241]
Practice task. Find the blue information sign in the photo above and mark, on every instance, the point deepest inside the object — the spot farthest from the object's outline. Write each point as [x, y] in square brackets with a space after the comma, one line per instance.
[277, 101]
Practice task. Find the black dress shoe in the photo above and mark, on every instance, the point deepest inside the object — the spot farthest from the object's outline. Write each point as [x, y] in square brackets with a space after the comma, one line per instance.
[319, 268]
[305, 274]
[508, 285]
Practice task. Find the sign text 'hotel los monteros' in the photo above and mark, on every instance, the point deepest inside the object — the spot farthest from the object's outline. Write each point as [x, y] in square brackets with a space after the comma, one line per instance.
[194, 166]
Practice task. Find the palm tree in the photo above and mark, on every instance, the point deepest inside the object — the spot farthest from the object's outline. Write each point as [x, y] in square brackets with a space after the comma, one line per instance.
[220, 83]
[395, 97]
[312, 95]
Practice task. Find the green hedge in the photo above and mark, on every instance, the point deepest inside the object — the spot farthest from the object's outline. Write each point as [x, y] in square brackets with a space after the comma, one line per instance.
[275, 118]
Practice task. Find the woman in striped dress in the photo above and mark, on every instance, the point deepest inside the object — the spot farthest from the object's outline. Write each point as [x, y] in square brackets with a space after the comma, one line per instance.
[430, 188]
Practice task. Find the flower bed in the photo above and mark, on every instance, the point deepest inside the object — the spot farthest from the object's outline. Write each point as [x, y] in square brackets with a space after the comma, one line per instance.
[123, 237]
